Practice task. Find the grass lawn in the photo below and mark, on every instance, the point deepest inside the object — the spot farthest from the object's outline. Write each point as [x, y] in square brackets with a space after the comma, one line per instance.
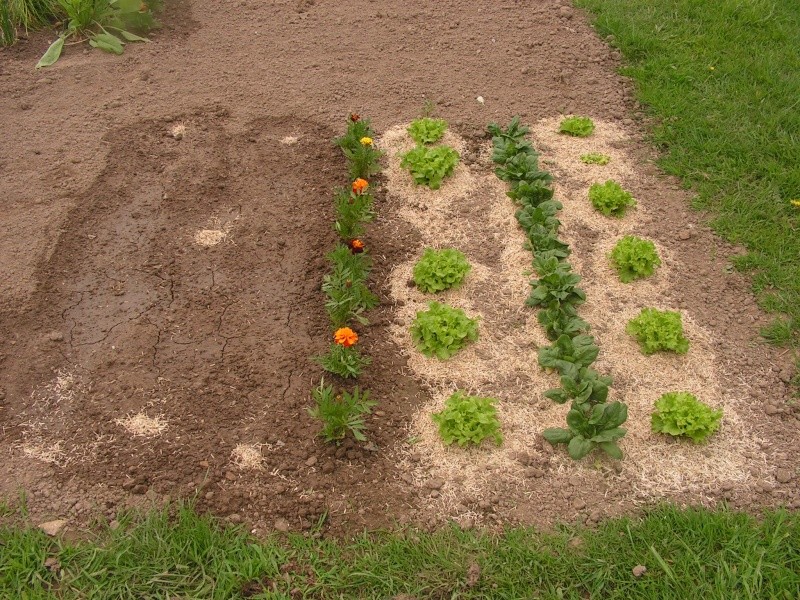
[687, 554]
[722, 80]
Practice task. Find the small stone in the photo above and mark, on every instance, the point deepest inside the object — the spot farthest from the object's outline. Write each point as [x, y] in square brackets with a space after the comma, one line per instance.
[55, 336]
[311, 461]
[209, 495]
[434, 484]
[685, 235]
[51, 563]
[771, 410]
[579, 504]
[639, 570]
[235, 518]
[140, 489]
[230, 476]
[282, 525]
[565, 12]
[53, 528]
[203, 464]
[328, 468]
[113, 525]
[783, 475]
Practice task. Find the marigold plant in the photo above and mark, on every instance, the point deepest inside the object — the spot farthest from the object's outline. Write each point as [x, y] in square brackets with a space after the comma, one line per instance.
[366, 141]
[346, 337]
[357, 246]
[360, 185]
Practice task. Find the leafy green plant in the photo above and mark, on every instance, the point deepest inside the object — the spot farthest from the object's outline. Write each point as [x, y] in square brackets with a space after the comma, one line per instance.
[340, 412]
[523, 167]
[107, 24]
[560, 320]
[544, 243]
[577, 126]
[348, 295]
[634, 258]
[345, 361]
[581, 385]
[352, 211]
[658, 330]
[681, 413]
[531, 193]
[556, 286]
[509, 142]
[440, 270]
[358, 145]
[543, 214]
[427, 130]
[596, 427]
[429, 166]
[442, 330]
[468, 420]
[568, 353]
[610, 199]
[595, 158]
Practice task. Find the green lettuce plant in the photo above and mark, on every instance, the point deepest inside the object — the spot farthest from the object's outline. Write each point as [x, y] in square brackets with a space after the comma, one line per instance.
[634, 258]
[595, 158]
[340, 412]
[427, 130]
[597, 426]
[610, 199]
[429, 166]
[577, 126]
[442, 330]
[439, 270]
[658, 330]
[468, 420]
[681, 413]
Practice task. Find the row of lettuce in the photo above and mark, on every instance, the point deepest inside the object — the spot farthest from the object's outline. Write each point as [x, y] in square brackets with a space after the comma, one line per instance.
[441, 331]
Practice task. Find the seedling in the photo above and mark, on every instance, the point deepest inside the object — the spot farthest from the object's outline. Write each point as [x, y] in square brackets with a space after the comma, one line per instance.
[634, 258]
[681, 413]
[577, 126]
[658, 330]
[340, 412]
[468, 420]
[442, 330]
[429, 166]
[439, 270]
[610, 199]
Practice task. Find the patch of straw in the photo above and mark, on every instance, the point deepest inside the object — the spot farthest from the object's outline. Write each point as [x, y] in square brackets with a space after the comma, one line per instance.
[140, 425]
[248, 456]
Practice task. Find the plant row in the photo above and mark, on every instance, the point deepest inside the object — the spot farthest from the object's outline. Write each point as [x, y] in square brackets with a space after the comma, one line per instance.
[592, 422]
[676, 413]
[347, 293]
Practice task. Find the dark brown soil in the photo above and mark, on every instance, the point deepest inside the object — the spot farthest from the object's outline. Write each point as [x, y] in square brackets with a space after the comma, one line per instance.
[102, 282]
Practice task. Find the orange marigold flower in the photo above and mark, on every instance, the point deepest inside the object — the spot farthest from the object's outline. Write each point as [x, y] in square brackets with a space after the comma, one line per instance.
[359, 185]
[354, 117]
[345, 337]
[357, 246]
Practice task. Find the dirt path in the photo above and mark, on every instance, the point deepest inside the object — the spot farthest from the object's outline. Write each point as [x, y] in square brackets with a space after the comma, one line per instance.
[178, 279]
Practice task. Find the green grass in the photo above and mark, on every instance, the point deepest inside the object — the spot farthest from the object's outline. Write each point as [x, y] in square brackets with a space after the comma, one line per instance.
[722, 80]
[688, 554]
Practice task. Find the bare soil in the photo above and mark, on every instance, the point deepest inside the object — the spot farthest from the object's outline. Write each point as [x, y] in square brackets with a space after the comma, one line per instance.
[159, 297]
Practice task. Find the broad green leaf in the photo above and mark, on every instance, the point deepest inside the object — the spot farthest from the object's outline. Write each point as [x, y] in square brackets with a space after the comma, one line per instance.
[556, 435]
[132, 37]
[107, 42]
[52, 54]
[611, 449]
[579, 447]
[609, 435]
